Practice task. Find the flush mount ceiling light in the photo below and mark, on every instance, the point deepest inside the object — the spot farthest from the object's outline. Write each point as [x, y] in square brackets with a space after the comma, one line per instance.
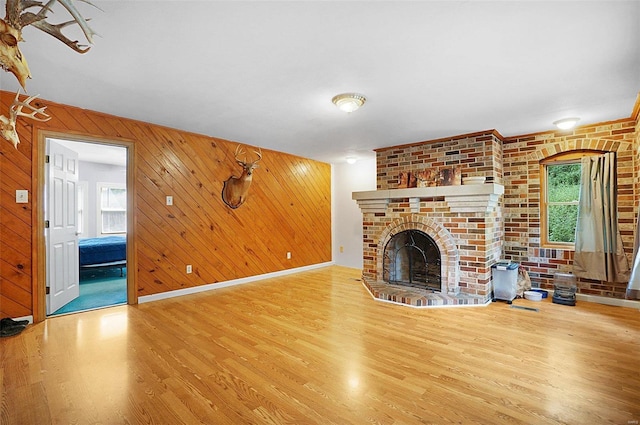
[349, 102]
[351, 159]
[566, 123]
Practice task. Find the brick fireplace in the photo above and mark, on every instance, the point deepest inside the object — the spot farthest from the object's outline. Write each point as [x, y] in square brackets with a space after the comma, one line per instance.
[463, 221]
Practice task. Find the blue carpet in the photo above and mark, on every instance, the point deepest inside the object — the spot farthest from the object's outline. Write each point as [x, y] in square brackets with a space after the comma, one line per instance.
[98, 288]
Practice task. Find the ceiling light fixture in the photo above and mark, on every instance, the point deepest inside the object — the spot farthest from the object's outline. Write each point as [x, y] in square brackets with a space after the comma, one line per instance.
[349, 102]
[566, 123]
[351, 159]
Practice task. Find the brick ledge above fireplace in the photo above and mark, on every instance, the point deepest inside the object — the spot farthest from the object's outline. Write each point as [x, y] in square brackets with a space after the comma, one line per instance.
[464, 198]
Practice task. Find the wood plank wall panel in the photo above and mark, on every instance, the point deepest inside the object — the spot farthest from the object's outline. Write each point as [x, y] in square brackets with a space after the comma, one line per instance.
[15, 222]
[288, 208]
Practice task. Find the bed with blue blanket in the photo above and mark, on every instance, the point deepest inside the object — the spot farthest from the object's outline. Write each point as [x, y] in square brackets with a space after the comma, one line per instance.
[109, 251]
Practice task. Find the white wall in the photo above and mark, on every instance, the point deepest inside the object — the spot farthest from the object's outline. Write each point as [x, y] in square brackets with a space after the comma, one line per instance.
[94, 173]
[347, 217]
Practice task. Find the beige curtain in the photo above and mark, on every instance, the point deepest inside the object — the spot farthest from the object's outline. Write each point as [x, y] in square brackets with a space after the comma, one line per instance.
[633, 287]
[599, 253]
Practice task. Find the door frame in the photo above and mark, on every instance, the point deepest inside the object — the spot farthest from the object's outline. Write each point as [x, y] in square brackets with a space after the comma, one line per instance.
[38, 243]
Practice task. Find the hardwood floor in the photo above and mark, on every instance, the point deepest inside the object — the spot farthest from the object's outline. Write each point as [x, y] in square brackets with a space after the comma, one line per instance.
[315, 348]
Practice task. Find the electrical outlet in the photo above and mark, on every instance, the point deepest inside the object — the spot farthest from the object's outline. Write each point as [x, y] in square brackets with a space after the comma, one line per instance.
[189, 268]
[22, 196]
[169, 200]
[288, 256]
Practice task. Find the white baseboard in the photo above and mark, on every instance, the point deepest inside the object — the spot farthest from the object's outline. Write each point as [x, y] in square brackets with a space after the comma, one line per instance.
[224, 284]
[608, 301]
[29, 318]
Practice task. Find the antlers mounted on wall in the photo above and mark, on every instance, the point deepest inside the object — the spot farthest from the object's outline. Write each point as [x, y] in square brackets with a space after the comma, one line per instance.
[18, 17]
[235, 189]
[8, 125]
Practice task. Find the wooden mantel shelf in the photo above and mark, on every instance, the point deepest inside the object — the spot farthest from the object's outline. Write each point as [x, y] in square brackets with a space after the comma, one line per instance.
[464, 198]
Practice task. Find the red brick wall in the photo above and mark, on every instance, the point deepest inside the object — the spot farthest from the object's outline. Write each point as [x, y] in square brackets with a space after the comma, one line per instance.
[513, 230]
[477, 154]
[478, 235]
[522, 156]
[636, 160]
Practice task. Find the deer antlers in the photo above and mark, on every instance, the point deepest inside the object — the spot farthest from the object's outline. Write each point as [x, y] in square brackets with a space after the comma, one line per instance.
[243, 164]
[11, 58]
[8, 125]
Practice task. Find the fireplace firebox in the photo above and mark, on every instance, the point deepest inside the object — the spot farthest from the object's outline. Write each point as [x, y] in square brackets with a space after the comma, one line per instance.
[412, 258]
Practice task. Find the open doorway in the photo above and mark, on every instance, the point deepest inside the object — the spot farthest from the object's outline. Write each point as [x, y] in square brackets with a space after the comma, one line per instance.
[86, 213]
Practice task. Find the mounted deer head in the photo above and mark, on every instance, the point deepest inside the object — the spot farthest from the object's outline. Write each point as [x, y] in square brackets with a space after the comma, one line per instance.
[11, 58]
[235, 189]
[8, 125]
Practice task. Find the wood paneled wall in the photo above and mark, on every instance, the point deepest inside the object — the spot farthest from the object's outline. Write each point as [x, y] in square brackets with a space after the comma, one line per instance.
[288, 208]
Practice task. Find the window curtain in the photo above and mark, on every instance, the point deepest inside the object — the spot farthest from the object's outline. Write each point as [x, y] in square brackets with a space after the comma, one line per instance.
[599, 253]
[633, 288]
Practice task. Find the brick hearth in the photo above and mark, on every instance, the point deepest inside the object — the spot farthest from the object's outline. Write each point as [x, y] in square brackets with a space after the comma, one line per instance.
[422, 298]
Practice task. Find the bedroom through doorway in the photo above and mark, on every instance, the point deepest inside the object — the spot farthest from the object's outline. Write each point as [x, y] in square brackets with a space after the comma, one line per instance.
[86, 216]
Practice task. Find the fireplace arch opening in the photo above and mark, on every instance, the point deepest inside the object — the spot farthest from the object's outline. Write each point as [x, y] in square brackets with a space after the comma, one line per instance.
[412, 258]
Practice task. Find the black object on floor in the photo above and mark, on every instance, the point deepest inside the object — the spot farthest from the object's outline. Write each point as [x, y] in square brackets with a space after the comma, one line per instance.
[10, 327]
[521, 307]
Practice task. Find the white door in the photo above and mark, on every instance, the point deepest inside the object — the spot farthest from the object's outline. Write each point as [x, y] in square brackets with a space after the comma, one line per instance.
[63, 274]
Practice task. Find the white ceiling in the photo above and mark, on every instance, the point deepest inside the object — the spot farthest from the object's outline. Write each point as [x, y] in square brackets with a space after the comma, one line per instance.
[264, 72]
[96, 152]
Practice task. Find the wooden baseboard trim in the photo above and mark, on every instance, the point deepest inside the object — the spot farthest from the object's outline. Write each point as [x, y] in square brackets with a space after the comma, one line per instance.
[608, 301]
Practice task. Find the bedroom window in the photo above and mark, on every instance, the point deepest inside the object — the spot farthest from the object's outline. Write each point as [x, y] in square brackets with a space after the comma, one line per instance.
[83, 207]
[112, 208]
[560, 194]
